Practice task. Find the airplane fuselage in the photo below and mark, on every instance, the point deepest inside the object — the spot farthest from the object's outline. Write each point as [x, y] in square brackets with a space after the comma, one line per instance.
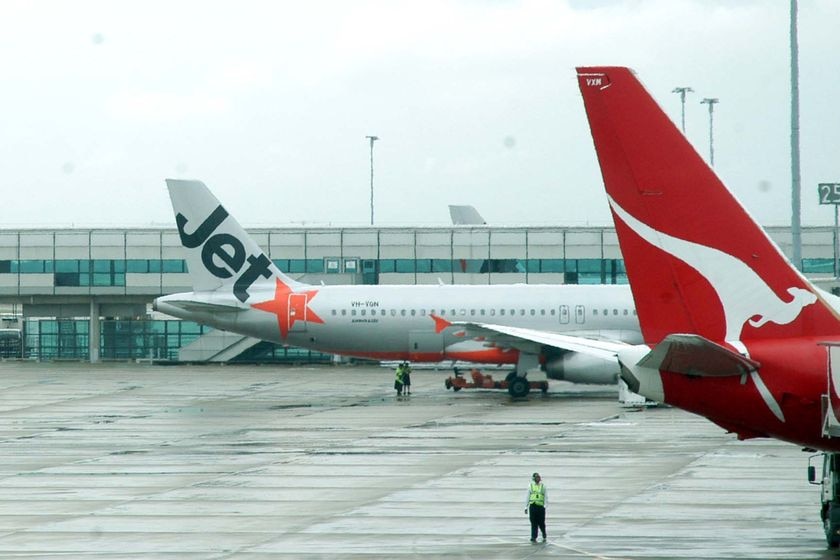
[420, 323]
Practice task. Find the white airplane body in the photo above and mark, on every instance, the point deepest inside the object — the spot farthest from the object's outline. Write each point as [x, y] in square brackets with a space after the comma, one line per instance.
[238, 289]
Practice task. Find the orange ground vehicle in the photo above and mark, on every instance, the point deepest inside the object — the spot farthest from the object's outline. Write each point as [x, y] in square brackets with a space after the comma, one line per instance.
[516, 386]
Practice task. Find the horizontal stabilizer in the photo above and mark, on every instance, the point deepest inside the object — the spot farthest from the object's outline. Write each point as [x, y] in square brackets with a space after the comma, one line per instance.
[691, 354]
[199, 306]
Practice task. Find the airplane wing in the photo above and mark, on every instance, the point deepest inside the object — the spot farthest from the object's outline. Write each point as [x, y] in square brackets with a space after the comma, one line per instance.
[532, 339]
[691, 354]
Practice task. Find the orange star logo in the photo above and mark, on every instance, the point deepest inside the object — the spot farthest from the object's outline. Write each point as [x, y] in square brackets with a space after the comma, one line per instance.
[289, 307]
[441, 324]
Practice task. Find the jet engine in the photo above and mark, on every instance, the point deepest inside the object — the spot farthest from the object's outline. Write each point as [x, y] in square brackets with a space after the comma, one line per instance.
[581, 368]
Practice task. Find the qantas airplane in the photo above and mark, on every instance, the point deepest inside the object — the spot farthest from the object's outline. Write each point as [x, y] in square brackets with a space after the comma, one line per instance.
[237, 288]
[732, 330]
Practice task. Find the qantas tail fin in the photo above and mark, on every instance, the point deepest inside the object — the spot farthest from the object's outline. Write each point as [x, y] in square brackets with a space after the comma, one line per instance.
[696, 261]
[220, 254]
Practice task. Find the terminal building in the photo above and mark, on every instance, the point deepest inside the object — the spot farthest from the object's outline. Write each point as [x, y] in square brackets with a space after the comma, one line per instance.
[85, 294]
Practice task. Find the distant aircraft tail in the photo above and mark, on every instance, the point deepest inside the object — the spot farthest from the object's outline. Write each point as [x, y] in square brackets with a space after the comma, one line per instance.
[696, 261]
[220, 255]
[465, 215]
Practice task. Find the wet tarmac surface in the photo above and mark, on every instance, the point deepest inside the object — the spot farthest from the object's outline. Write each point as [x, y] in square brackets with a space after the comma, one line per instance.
[222, 462]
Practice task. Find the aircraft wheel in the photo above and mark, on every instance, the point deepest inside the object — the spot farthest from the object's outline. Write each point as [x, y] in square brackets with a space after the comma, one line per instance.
[456, 388]
[519, 387]
[511, 376]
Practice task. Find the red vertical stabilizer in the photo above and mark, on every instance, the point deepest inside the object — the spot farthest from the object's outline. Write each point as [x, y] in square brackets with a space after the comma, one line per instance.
[696, 260]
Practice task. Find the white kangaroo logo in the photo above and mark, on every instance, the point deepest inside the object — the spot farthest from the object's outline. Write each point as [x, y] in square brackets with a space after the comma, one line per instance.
[742, 292]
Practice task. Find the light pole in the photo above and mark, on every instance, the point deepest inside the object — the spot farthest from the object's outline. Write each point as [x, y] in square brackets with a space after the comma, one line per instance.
[682, 91]
[372, 140]
[710, 101]
[795, 174]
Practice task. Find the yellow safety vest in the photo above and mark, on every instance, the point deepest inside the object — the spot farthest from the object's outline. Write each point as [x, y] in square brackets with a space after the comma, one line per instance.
[537, 496]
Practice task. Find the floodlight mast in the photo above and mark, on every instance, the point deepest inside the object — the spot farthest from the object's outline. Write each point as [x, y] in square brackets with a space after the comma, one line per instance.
[372, 140]
[682, 91]
[710, 101]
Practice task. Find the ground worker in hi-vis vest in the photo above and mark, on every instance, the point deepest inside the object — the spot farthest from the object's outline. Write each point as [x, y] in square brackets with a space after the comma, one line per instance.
[398, 379]
[535, 506]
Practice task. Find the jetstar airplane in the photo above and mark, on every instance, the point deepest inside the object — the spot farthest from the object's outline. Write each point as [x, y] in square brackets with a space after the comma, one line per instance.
[237, 288]
[732, 330]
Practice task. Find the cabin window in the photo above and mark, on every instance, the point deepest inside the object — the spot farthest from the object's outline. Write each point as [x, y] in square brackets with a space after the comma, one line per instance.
[501, 312]
[343, 312]
[542, 312]
[353, 312]
[625, 312]
[533, 312]
[413, 312]
[333, 312]
[594, 311]
[615, 311]
[554, 311]
[393, 313]
[453, 312]
[492, 312]
[402, 312]
[472, 312]
[481, 312]
[423, 312]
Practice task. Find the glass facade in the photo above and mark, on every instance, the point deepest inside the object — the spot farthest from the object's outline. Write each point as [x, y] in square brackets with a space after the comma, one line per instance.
[56, 339]
[67, 339]
[102, 272]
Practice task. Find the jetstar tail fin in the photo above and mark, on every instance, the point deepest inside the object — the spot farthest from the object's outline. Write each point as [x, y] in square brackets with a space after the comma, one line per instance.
[220, 255]
[696, 261]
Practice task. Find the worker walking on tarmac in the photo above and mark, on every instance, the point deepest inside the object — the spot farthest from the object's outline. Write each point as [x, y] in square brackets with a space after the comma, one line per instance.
[535, 506]
[398, 379]
[406, 378]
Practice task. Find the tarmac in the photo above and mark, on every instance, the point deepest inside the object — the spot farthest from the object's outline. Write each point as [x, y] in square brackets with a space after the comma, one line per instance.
[118, 461]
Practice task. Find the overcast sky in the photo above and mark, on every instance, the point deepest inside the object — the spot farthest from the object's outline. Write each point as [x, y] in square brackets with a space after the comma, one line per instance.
[475, 102]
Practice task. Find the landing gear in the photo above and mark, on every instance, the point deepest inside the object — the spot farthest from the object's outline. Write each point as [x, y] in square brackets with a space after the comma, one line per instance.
[518, 387]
